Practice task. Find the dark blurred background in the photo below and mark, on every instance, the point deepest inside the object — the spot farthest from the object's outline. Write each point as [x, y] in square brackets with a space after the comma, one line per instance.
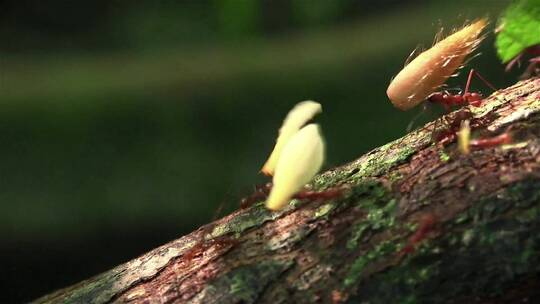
[126, 124]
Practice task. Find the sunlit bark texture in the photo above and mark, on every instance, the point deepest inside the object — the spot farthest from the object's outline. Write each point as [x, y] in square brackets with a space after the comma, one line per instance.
[420, 223]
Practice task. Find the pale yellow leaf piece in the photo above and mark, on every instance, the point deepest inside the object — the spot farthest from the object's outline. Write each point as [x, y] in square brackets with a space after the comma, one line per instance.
[464, 137]
[296, 119]
[301, 158]
[430, 70]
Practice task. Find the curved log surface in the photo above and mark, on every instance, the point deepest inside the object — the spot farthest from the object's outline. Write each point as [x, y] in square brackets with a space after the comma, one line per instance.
[419, 223]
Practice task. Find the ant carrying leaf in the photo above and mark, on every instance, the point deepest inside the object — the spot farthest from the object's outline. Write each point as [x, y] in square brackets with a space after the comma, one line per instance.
[419, 79]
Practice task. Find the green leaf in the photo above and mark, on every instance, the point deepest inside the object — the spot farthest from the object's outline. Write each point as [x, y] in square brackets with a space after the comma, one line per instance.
[520, 29]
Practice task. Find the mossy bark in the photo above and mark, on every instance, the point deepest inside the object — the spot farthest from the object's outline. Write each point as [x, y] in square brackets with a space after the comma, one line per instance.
[483, 247]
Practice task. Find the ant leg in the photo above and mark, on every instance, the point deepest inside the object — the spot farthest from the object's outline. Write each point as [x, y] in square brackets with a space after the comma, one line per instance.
[512, 62]
[469, 79]
[501, 139]
[487, 83]
[475, 99]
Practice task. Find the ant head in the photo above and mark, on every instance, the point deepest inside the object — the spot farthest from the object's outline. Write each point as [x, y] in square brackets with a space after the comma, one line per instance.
[437, 97]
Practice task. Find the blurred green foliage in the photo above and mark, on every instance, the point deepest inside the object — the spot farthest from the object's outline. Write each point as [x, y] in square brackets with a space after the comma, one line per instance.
[128, 124]
[238, 18]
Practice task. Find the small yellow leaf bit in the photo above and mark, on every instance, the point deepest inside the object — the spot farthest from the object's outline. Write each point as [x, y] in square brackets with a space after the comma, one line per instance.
[464, 137]
[301, 158]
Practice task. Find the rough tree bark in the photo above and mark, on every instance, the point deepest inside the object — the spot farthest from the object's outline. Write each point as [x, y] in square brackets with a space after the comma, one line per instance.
[483, 246]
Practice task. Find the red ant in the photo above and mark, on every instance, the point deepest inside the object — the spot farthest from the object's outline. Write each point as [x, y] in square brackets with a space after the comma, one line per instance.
[262, 191]
[447, 100]
[426, 225]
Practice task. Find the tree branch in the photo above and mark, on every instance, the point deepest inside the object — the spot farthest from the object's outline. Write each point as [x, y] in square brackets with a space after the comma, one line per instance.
[421, 223]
